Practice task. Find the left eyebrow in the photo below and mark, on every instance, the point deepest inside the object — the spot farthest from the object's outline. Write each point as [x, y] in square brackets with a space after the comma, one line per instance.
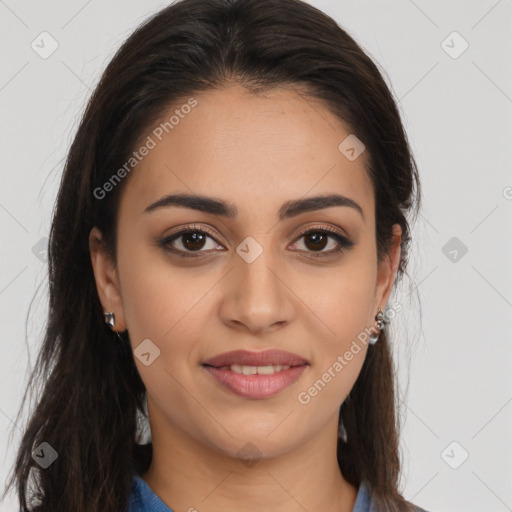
[289, 209]
[298, 206]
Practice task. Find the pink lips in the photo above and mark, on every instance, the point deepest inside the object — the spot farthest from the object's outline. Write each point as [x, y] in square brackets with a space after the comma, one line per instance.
[256, 386]
[264, 358]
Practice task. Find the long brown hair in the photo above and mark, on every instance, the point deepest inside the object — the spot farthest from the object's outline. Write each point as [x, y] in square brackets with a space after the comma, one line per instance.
[92, 398]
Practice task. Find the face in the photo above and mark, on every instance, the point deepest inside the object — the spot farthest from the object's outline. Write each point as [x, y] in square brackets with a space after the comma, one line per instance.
[259, 269]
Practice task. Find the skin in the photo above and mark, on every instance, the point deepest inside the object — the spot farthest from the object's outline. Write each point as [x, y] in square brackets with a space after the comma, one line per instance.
[256, 152]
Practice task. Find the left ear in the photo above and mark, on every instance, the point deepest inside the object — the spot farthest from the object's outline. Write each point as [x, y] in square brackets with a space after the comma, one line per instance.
[387, 270]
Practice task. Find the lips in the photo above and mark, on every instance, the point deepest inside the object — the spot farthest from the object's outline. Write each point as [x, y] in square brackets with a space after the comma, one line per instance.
[263, 358]
[256, 386]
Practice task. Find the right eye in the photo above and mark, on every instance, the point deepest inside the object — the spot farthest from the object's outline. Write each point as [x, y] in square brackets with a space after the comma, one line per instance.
[191, 239]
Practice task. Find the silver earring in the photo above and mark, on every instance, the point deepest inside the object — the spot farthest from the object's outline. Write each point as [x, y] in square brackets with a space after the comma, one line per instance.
[380, 324]
[110, 318]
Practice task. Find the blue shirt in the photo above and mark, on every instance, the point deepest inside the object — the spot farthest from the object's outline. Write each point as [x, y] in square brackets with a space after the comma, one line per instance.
[143, 499]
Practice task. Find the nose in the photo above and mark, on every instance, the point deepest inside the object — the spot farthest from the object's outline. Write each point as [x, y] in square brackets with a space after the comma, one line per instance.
[256, 296]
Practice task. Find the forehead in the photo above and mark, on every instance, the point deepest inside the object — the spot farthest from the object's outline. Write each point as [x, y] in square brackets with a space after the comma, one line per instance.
[253, 150]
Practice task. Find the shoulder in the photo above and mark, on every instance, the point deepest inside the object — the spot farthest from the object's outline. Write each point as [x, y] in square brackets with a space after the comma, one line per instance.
[365, 501]
[136, 503]
[143, 499]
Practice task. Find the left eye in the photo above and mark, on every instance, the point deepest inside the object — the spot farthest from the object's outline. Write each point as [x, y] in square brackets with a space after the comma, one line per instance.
[316, 239]
[193, 240]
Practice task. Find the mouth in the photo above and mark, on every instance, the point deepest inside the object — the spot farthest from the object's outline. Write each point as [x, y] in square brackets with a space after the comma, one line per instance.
[271, 357]
[255, 370]
[256, 374]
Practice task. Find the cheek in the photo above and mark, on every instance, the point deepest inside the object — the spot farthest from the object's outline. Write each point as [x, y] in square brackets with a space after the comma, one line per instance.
[339, 302]
[164, 305]
[158, 299]
[338, 355]
[339, 310]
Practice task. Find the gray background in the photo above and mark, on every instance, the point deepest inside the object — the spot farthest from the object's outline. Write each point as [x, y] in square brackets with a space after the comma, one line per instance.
[455, 326]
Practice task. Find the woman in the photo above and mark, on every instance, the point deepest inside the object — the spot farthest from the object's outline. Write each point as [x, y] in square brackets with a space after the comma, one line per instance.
[229, 228]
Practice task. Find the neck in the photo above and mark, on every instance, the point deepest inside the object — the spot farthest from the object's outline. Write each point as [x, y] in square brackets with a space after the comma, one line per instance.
[188, 474]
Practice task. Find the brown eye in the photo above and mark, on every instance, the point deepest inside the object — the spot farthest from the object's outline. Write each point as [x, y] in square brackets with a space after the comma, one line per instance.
[193, 241]
[189, 241]
[316, 240]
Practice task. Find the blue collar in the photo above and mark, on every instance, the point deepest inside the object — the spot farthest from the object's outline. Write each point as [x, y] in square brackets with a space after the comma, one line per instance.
[144, 499]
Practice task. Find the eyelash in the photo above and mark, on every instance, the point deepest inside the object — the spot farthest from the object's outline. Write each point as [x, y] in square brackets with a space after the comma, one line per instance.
[344, 242]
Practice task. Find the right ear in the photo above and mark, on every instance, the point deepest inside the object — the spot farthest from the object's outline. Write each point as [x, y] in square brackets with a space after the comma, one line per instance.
[107, 280]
